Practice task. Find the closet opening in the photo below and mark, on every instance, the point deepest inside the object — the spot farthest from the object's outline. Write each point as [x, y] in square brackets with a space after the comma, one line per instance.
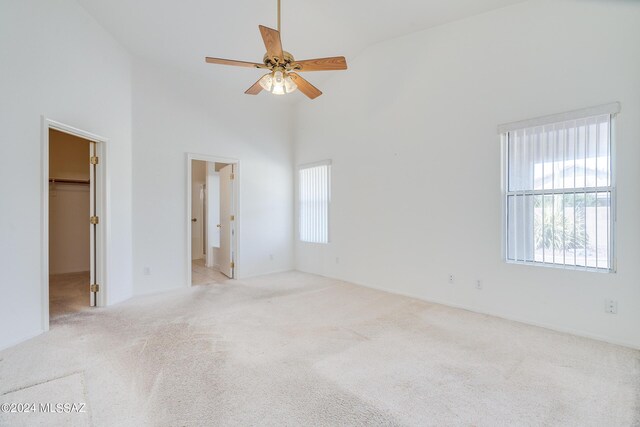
[73, 222]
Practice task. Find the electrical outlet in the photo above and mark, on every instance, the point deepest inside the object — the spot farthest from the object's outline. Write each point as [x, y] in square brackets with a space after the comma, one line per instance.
[147, 271]
[479, 284]
[451, 279]
[611, 306]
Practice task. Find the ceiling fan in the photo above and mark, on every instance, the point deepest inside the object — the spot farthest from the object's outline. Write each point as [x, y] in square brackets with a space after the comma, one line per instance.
[283, 77]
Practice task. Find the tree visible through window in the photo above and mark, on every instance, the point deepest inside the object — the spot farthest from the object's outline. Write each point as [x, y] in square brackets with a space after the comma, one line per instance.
[559, 194]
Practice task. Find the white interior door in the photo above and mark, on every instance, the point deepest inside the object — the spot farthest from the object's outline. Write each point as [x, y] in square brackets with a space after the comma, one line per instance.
[197, 218]
[93, 297]
[227, 220]
[213, 215]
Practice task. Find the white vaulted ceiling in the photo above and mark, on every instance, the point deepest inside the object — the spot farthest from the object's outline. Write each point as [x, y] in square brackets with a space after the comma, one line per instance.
[180, 33]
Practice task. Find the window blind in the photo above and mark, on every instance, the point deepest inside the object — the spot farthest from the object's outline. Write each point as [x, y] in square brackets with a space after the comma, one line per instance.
[314, 183]
[559, 193]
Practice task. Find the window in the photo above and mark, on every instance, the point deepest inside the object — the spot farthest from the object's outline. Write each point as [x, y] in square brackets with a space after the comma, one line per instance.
[314, 196]
[559, 198]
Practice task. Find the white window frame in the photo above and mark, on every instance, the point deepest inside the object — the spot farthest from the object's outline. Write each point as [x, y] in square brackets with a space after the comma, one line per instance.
[327, 163]
[504, 130]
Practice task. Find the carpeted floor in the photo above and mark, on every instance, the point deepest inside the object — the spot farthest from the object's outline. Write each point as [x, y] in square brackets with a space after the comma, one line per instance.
[295, 349]
[69, 292]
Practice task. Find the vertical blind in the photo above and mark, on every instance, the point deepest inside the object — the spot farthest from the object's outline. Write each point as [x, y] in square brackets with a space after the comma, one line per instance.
[314, 196]
[559, 194]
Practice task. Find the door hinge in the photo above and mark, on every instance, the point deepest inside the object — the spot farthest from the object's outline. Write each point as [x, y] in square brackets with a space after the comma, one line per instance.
[95, 287]
[232, 176]
[94, 160]
[94, 220]
[232, 264]
[233, 218]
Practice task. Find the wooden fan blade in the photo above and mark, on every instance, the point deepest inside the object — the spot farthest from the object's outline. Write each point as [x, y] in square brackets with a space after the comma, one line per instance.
[322, 64]
[272, 41]
[255, 89]
[305, 87]
[234, 63]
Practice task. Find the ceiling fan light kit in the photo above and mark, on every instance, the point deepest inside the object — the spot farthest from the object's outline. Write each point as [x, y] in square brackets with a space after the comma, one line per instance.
[283, 77]
[278, 83]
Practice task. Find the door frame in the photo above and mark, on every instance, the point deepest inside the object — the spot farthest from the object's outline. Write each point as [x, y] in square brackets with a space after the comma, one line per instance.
[236, 208]
[101, 204]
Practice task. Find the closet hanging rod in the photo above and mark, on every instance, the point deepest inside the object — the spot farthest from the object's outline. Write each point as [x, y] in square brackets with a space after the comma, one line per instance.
[69, 181]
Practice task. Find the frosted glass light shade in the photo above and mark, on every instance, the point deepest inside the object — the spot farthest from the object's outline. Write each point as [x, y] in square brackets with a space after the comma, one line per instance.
[266, 82]
[278, 83]
[289, 85]
[278, 78]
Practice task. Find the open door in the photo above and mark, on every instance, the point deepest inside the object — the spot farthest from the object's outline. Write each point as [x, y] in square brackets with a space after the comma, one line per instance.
[213, 215]
[198, 209]
[227, 221]
[94, 221]
[197, 221]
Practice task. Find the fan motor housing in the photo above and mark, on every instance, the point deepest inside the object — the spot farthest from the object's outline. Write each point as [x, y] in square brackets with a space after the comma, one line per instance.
[272, 61]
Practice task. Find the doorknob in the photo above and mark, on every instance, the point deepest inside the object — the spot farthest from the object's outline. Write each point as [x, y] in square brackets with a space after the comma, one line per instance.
[194, 219]
[218, 225]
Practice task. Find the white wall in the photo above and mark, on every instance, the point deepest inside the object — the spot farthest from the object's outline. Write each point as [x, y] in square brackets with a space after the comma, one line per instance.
[174, 114]
[55, 60]
[411, 130]
[69, 239]
[198, 180]
[69, 207]
[68, 156]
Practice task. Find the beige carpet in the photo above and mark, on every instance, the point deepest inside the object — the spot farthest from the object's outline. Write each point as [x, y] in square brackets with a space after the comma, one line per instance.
[295, 349]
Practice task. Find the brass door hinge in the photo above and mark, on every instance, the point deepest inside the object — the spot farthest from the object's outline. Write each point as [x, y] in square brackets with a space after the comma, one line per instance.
[232, 264]
[94, 220]
[95, 287]
[94, 160]
[232, 176]
[233, 218]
